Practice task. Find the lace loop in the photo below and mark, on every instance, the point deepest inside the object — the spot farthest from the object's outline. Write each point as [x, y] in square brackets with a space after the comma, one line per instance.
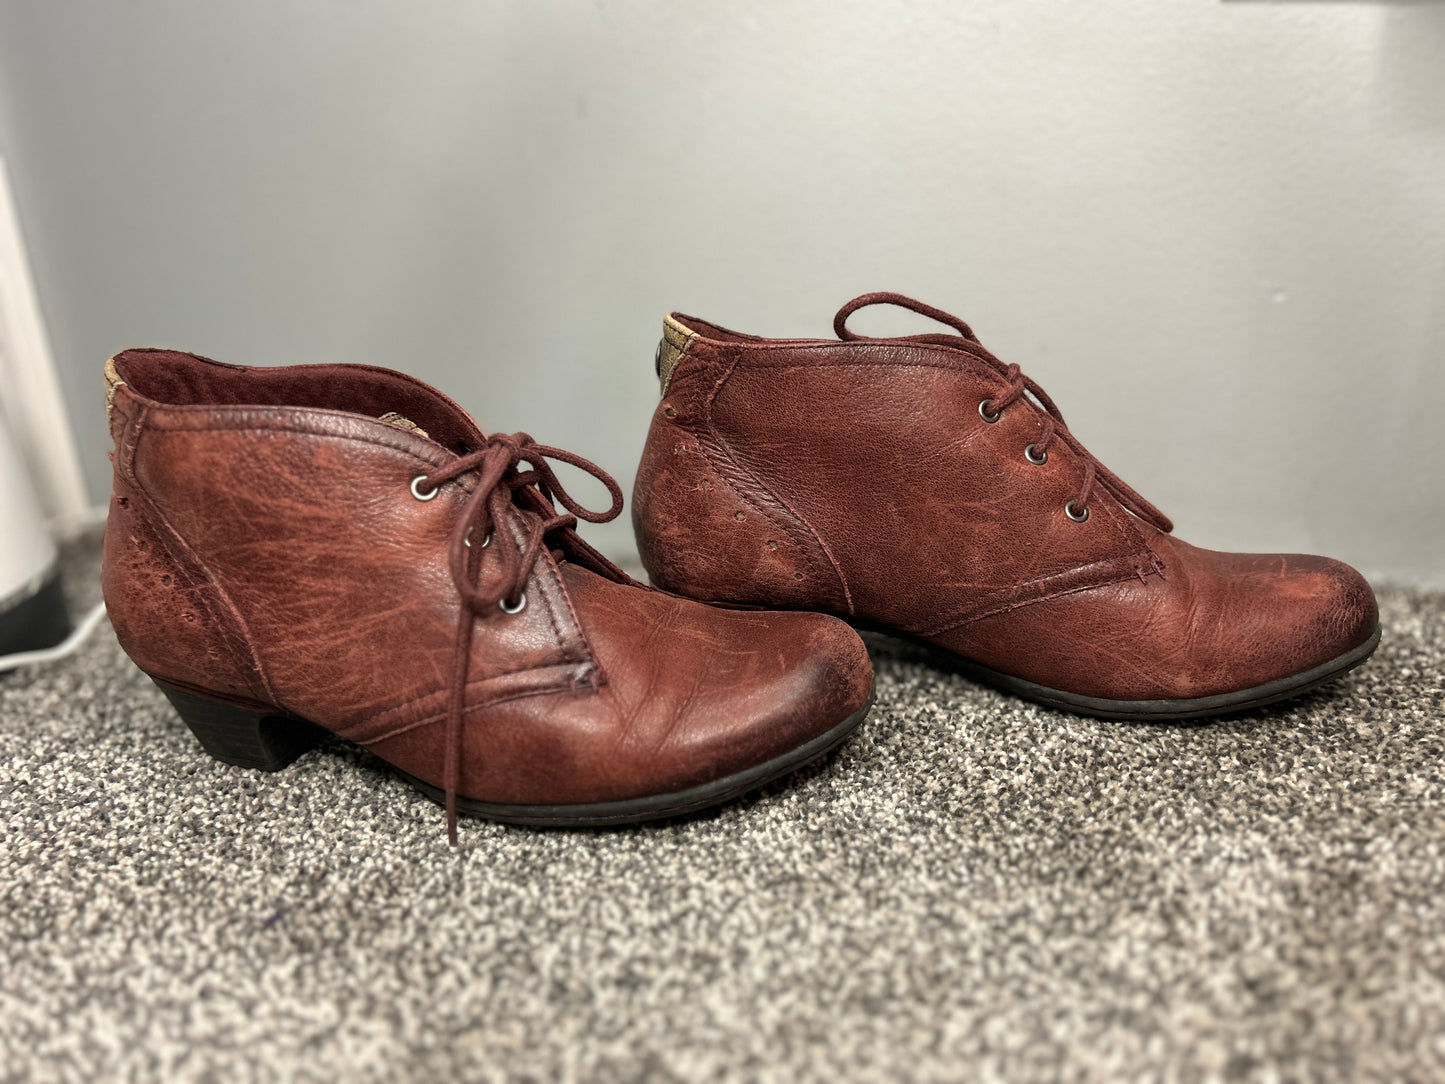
[496, 491]
[884, 297]
[1016, 386]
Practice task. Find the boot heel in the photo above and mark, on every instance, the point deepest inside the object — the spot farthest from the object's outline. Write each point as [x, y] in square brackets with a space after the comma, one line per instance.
[241, 736]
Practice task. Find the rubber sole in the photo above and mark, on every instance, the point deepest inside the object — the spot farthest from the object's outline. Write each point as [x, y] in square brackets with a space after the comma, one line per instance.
[254, 736]
[1200, 707]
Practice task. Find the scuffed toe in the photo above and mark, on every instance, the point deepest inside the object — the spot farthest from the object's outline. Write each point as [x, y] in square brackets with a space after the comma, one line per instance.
[1317, 610]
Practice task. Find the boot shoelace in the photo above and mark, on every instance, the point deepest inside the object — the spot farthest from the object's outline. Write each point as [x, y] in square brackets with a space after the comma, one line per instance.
[1018, 387]
[484, 512]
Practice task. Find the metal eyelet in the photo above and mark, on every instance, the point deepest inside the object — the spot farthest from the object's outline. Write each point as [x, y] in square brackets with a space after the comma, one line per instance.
[1077, 517]
[1040, 461]
[467, 540]
[416, 491]
[985, 415]
[521, 605]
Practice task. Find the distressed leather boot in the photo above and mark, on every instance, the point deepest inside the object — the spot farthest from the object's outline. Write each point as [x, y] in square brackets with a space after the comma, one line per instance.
[921, 486]
[339, 548]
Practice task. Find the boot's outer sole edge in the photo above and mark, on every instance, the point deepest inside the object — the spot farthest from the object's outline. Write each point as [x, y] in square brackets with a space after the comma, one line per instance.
[254, 736]
[659, 806]
[1145, 710]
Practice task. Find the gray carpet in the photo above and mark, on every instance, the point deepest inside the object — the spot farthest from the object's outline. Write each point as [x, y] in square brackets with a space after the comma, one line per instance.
[973, 888]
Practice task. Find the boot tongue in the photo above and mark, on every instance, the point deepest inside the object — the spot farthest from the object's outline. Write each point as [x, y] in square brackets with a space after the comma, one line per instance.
[393, 418]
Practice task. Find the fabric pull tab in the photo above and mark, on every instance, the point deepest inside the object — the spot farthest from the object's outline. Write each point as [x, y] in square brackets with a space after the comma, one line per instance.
[676, 342]
[393, 418]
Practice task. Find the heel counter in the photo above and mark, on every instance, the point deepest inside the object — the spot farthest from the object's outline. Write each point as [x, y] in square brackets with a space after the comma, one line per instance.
[705, 529]
[668, 503]
[166, 609]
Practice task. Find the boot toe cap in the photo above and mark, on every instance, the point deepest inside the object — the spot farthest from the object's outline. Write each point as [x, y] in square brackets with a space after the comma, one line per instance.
[1329, 606]
[1213, 624]
[1271, 617]
[803, 676]
[692, 694]
[1257, 619]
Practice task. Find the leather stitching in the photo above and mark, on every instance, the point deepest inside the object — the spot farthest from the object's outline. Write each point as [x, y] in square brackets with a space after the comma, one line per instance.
[590, 656]
[729, 478]
[751, 477]
[440, 717]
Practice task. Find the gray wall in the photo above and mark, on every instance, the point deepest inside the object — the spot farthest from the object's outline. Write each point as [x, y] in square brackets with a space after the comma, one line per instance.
[1214, 231]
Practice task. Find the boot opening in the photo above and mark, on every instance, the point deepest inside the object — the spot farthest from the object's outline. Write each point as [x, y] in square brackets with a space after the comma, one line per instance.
[176, 378]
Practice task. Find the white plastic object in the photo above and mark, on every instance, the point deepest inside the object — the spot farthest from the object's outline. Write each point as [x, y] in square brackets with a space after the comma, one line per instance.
[27, 551]
[28, 555]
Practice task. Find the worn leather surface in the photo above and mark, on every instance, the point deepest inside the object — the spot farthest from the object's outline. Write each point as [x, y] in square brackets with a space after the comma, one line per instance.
[693, 693]
[168, 612]
[859, 478]
[274, 553]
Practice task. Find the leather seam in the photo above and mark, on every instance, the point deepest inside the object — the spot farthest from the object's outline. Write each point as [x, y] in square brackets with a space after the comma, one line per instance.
[1009, 607]
[709, 462]
[811, 345]
[767, 513]
[1130, 533]
[405, 446]
[567, 652]
[590, 659]
[962, 364]
[437, 717]
[722, 446]
[242, 643]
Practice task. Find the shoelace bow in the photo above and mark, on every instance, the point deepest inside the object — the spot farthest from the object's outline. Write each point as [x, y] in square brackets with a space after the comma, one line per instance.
[494, 495]
[1018, 386]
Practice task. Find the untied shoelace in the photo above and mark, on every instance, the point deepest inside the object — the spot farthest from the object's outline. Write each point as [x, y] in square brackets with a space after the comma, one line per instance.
[1018, 385]
[485, 511]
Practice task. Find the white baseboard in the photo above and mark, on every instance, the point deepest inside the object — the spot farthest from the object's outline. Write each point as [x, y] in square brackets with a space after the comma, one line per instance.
[30, 393]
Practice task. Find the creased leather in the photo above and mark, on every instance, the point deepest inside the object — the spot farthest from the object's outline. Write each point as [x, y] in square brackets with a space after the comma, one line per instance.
[859, 478]
[695, 693]
[168, 612]
[335, 581]
[1214, 623]
[254, 493]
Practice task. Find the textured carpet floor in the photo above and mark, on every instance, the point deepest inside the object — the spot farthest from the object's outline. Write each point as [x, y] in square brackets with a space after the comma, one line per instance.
[973, 888]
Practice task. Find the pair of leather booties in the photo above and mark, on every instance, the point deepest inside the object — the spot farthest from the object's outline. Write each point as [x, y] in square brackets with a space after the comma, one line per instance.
[298, 550]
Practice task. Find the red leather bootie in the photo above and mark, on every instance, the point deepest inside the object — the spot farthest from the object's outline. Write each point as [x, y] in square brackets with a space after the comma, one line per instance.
[339, 546]
[921, 486]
